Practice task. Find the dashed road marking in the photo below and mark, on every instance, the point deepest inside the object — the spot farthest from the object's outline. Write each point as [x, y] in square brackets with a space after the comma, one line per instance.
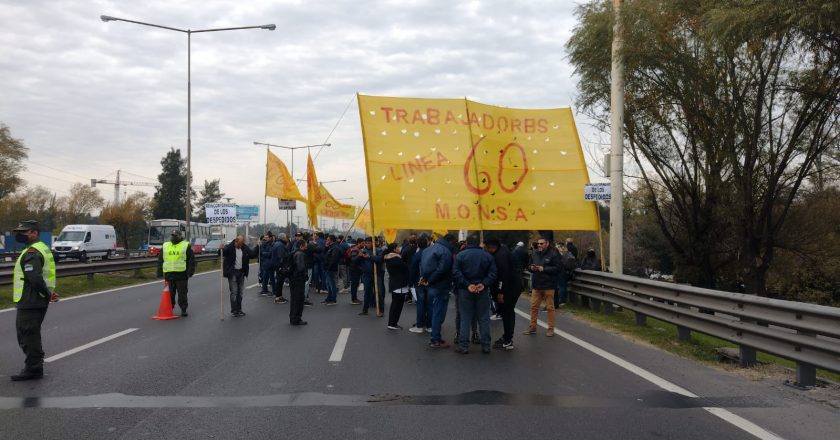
[340, 344]
[89, 345]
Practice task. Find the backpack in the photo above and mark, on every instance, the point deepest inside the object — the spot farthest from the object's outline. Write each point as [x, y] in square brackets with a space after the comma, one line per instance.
[568, 261]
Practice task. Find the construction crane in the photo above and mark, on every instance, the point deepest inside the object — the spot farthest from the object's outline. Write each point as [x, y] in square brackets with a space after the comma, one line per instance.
[117, 184]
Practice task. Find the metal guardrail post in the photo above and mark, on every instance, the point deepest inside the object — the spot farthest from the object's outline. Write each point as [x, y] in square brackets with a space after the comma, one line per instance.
[806, 374]
[595, 304]
[641, 318]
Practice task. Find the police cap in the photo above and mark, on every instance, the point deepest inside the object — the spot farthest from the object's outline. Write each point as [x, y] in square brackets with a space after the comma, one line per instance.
[27, 225]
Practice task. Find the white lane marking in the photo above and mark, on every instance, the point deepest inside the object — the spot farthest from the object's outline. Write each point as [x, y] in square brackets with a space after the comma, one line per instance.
[253, 285]
[89, 345]
[340, 344]
[721, 413]
[112, 290]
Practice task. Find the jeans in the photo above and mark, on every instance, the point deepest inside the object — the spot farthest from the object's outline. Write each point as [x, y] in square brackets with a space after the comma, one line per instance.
[318, 275]
[330, 284]
[440, 302]
[267, 277]
[367, 280]
[458, 317]
[538, 296]
[562, 289]
[355, 279]
[236, 283]
[424, 308]
[397, 300]
[474, 306]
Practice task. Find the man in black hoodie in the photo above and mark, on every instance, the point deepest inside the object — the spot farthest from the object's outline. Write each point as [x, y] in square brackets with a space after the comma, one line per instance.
[506, 290]
[299, 276]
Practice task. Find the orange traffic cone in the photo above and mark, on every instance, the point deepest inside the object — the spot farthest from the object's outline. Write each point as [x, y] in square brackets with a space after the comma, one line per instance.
[165, 307]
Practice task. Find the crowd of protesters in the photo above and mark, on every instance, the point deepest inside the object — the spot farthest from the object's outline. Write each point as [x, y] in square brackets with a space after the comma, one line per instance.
[486, 280]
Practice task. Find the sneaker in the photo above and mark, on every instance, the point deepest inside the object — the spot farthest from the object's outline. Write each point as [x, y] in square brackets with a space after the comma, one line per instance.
[324, 302]
[307, 304]
[300, 323]
[265, 294]
[280, 300]
[496, 317]
[550, 332]
[27, 375]
[439, 344]
[329, 303]
[416, 329]
[460, 350]
[394, 327]
[356, 302]
[427, 329]
[363, 313]
[530, 331]
[508, 345]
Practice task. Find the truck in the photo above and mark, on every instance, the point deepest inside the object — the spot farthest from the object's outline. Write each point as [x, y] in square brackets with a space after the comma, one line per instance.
[83, 242]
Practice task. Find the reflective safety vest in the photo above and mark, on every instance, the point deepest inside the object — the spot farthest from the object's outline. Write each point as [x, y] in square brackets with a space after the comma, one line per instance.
[175, 257]
[47, 271]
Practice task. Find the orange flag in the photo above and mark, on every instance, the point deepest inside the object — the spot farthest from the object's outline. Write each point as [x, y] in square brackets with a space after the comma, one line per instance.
[278, 180]
[313, 193]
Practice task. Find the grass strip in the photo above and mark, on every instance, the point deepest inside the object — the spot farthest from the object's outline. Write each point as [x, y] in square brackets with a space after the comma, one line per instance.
[663, 335]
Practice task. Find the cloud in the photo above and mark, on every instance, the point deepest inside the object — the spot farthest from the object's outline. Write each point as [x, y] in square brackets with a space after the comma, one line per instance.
[93, 97]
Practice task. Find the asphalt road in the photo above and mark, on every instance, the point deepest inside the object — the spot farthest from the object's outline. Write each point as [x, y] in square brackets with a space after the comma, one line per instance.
[258, 377]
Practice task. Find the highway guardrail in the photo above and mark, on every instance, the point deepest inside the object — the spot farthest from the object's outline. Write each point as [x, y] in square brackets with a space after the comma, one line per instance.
[807, 334]
[69, 270]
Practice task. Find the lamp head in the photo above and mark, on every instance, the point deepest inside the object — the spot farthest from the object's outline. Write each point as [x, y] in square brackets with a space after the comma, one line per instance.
[106, 18]
[270, 27]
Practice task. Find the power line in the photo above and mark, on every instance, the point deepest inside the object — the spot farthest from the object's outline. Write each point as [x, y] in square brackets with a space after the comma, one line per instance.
[56, 169]
[334, 127]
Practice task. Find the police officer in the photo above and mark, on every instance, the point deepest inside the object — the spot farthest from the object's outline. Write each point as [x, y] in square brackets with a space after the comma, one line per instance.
[34, 281]
[176, 264]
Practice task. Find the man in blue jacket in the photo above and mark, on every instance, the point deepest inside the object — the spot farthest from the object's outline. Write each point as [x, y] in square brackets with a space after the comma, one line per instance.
[267, 264]
[436, 275]
[473, 272]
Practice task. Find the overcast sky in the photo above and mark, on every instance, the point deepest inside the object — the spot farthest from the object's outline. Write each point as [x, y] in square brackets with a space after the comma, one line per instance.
[89, 97]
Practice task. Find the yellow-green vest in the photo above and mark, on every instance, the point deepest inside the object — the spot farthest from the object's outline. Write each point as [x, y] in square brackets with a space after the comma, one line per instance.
[48, 270]
[175, 257]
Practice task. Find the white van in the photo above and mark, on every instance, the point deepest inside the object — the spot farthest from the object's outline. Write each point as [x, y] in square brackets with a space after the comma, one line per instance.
[85, 241]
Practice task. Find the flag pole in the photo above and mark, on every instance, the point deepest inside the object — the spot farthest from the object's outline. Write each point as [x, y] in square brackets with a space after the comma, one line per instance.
[222, 275]
[372, 217]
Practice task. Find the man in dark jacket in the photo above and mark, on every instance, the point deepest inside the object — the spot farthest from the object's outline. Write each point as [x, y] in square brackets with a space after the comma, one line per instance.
[424, 304]
[297, 283]
[544, 268]
[473, 272]
[397, 284]
[365, 260]
[506, 289]
[32, 292]
[332, 256]
[236, 257]
[176, 264]
[591, 261]
[267, 264]
[570, 246]
[355, 272]
[280, 256]
[436, 275]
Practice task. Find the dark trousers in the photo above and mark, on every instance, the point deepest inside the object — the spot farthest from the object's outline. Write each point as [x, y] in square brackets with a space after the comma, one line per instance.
[296, 297]
[562, 289]
[474, 306]
[394, 312]
[508, 311]
[28, 325]
[279, 279]
[236, 283]
[355, 279]
[179, 288]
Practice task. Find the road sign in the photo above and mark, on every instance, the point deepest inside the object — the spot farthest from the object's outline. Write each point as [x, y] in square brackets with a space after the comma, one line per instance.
[597, 191]
[286, 205]
[220, 213]
[247, 213]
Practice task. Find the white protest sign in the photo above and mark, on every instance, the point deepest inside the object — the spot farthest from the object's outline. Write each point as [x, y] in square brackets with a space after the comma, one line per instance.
[220, 213]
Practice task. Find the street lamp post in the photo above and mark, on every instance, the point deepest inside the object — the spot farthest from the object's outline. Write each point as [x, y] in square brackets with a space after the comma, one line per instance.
[189, 32]
[288, 216]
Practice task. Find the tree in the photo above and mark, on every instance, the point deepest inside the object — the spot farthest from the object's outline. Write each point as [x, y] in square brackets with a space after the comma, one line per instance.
[170, 196]
[12, 154]
[209, 194]
[36, 203]
[82, 200]
[128, 219]
[726, 115]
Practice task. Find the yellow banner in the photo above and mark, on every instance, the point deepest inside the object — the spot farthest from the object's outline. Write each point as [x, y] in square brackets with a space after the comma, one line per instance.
[363, 222]
[330, 207]
[456, 164]
[278, 181]
[312, 193]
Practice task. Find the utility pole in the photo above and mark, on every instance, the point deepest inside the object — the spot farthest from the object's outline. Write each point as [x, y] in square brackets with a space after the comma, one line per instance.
[617, 145]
